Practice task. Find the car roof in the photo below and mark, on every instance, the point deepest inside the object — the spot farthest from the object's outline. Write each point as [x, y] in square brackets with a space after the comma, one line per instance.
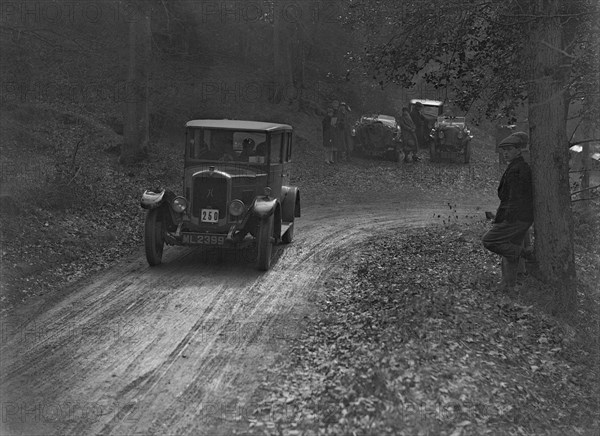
[238, 125]
[426, 102]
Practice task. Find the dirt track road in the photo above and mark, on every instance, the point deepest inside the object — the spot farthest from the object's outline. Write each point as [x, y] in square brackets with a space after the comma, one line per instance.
[178, 349]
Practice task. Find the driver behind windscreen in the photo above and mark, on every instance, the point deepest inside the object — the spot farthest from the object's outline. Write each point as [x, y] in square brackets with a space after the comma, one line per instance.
[223, 144]
[247, 150]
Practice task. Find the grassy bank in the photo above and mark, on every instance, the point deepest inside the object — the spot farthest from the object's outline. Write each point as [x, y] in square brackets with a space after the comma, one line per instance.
[412, 339]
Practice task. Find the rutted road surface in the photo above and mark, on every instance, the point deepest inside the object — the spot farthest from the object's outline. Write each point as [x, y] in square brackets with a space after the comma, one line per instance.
[180, 348]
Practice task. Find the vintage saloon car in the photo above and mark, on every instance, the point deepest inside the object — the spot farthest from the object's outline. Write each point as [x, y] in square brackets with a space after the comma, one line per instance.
[236, 191]
[450, 140]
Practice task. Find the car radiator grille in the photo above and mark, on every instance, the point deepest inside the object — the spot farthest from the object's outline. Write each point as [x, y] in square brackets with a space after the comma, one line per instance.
[209, 193]
[451, 137]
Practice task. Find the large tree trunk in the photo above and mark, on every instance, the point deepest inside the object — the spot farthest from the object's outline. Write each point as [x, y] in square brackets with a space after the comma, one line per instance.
[282, 62]
[136, 117]
[550, 156]
[586, 163]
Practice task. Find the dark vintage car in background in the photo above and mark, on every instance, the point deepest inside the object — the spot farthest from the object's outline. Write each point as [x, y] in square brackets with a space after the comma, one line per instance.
[236, 191]
[377, 135]
[450, 140]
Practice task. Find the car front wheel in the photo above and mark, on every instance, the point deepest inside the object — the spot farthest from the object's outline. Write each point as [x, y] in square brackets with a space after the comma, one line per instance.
[265, 244]
[154, 237]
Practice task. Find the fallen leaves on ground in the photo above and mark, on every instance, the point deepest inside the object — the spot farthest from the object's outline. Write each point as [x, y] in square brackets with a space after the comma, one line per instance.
[412, 339]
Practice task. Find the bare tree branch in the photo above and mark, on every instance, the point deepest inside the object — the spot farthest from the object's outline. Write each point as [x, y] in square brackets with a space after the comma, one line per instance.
[586, 189]
[558, 50]
[587, 141]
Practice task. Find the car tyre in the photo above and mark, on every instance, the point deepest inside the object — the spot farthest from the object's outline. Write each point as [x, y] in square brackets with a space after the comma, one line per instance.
[154, 238]
[390, 155]
[400, 155]
[265, 244]
[432, 156]
[468, 153]
[288, 236]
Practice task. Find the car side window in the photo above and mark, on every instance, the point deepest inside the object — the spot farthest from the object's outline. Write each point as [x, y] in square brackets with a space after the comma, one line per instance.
[284, 148]
[198, 144]
[275, 147]
[287, 144]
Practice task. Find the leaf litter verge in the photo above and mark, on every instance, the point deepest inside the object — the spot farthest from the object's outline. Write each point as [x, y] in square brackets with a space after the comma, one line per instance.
[412, 338]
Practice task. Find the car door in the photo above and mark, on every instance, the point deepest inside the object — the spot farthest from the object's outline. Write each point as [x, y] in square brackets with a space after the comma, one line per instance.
[286, 158]
[276, 163]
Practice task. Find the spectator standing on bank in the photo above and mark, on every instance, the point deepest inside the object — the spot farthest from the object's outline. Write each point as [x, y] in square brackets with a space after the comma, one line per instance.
[515, 213]
[409, 136]
[337, 132]
[343, 124]
[328, 124]
[420, 122]
[348, 132]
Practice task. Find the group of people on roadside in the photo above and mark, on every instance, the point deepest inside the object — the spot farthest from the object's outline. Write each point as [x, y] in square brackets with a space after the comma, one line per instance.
[413, 126]
[514, 216]
[337, 139]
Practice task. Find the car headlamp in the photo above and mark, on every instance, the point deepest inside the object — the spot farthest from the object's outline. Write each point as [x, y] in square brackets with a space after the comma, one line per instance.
[237, 208]
[179, 204]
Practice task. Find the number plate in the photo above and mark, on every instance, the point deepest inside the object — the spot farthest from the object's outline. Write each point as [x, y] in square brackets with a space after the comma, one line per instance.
[209, 215]
[189, 238]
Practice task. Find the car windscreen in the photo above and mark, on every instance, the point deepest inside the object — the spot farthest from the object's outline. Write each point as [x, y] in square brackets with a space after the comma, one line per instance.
[214, 144]
[387, 120]
[432, 111]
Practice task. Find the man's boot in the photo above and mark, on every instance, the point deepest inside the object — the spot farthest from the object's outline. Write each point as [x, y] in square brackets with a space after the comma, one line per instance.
[509, 274]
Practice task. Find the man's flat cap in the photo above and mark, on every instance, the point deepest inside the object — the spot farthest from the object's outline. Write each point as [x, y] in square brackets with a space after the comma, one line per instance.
[517, 139]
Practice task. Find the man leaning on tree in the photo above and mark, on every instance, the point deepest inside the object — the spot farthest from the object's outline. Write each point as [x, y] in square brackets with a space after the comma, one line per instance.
[515, 213]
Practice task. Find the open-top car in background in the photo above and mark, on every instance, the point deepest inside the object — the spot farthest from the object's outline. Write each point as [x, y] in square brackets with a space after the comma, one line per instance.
[377, 135]
[450, 140]
[236, 191]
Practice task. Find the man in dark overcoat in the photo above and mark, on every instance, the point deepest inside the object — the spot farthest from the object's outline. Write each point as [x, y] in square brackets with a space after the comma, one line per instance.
[418, 118]
[515, 213]
[409, 136]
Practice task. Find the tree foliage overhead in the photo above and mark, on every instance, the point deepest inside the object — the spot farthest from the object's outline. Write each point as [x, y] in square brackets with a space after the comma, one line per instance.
[473, 50]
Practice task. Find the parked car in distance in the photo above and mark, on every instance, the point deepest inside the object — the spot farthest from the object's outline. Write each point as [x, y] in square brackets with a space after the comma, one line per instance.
[377, 135]
[236, 191]
[450, 140]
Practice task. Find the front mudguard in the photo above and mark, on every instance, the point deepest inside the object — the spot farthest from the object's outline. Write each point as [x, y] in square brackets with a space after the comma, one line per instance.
[153, 198]
[161, 198]
[290, 204]
[264, 207]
